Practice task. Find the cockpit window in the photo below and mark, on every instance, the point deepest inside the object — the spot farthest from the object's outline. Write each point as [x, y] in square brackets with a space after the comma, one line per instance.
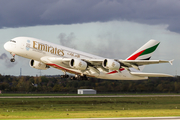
[13, 41]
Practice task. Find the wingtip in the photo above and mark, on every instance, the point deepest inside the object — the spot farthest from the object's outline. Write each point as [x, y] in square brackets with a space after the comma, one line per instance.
[171, 61]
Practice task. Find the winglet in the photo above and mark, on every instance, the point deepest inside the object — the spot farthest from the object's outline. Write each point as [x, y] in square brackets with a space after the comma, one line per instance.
[171, 61]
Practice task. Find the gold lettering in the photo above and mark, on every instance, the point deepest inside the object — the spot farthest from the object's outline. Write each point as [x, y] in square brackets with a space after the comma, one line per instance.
[41, 47]
[60, 52]
[47, 48]
[55, 50]
[78, 56]
[34, 44]
[52, 50]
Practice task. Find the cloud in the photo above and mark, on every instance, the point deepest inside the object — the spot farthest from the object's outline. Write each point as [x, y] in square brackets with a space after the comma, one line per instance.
[18, 13]
[3, 56]
[67, 40]
[6, 59]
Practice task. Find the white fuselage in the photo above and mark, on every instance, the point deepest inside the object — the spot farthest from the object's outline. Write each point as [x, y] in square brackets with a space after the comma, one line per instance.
[35, 49]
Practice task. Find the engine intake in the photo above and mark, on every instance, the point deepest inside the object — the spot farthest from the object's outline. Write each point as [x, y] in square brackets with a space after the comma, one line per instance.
[111, 64]
[78, 64]
[38, 65]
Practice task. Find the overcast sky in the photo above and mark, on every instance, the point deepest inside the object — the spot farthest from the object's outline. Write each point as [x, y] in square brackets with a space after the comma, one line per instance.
[109, 28]
[22, 13]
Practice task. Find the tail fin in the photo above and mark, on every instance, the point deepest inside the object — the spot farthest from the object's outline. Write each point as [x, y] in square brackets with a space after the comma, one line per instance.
[145, 52]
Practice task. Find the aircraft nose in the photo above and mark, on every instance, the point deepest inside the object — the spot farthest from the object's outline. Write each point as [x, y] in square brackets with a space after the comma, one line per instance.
[7, 46]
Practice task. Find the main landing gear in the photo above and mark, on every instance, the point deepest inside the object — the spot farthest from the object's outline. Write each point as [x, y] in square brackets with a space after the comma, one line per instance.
[13, 58]
[65, 75]
[76, 77]
[79, 77]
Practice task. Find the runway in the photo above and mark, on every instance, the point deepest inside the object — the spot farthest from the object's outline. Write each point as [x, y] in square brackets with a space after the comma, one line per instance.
[89, 96]
[130, 118]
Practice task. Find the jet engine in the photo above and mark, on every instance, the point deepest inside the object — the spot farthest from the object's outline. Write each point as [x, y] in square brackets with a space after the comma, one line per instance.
[111, 64]
[78, 64]
[38, 65]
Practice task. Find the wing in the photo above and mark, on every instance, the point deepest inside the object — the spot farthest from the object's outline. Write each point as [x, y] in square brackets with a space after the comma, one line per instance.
[150, 74]
[75, 66]
[144, 62]
[130, 63]
[136, 63]
[94, 64]
[59, 63]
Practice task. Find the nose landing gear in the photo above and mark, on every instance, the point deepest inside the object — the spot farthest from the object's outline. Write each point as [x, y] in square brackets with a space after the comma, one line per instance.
[13, 58]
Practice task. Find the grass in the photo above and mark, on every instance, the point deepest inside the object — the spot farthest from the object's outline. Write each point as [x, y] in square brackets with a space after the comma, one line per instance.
[90, 114]
[88, 107]
[30, 94]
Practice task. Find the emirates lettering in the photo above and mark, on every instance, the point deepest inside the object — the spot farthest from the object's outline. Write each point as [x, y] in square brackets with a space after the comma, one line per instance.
[47, 48]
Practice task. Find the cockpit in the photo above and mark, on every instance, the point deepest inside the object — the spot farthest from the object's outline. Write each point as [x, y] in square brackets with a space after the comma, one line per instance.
[13, 41]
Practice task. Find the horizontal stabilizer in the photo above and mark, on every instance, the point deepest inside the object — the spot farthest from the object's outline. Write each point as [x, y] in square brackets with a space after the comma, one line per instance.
[141, 74]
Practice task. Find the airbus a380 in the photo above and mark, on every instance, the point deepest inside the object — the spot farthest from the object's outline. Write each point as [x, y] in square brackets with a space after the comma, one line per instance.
[43, 54]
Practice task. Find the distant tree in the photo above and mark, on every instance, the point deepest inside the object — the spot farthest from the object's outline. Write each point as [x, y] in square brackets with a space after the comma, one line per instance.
[57, 88]
[23, 85]
[177, 87]
[4, 86]
[75, 84]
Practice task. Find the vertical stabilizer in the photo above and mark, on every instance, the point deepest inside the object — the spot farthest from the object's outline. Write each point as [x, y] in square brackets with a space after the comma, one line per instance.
[145, 52]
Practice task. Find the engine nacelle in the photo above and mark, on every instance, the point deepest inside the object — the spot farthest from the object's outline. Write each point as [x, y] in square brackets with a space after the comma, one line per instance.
[38, 65]
[111, 64]
[78, 64]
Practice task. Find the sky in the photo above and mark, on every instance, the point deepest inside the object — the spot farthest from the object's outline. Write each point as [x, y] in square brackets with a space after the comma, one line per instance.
[108, 28]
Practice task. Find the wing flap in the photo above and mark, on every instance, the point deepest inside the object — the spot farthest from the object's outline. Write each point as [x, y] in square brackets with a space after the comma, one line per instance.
[141, 74]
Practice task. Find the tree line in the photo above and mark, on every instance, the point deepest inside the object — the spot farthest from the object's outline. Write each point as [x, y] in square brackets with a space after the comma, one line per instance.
[48, 84]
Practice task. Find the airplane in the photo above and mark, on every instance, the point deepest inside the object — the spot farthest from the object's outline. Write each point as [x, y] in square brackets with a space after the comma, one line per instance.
[44, 55]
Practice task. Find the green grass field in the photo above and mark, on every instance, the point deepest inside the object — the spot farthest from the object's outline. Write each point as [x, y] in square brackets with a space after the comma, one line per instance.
[29, 94]
[88, 107]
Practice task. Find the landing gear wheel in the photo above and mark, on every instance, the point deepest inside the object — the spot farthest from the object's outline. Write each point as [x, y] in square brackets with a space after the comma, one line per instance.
[73, 78]
[12, 60]
[79, 77]
[13, 57]
[64, 76]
